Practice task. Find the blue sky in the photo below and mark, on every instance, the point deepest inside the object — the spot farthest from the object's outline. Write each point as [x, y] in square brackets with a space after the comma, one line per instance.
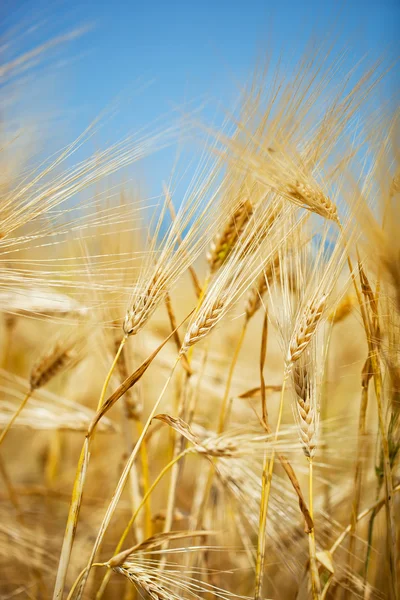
[151, 57]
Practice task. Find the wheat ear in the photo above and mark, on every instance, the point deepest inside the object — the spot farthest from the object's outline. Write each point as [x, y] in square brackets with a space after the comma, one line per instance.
[203, 324]
[226, 239]
[311, 198]
[48, 366]
[305, 329]
[306, 411]
[307, 420]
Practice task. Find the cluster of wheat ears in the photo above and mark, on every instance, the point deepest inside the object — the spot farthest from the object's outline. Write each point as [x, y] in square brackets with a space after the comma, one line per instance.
[200, 393]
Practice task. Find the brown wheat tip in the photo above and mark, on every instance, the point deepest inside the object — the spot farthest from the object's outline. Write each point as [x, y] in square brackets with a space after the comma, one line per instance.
[305, 330]
[180, 426]
[306, 413]
[203, 324]
[225, 240]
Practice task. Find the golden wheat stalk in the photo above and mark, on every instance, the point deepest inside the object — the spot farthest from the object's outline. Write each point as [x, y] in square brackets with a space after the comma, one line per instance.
[268, 466]
[135, 514]
[80, 476]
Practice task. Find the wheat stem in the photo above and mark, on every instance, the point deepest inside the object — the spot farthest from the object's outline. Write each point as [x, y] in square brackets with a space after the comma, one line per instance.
[79, 579]
[145, 498]
[390, 516]
[146, 480]
[72, 520]
[359, 460]
[221, 425]
[225, 400]
[15, 416]
[375, 508]
[84, 461]
[11, 492]
[263, 354]
[110, 372]
[314, 576]
[178, 444]
[122, 481]
[77, 492]
[265, 493]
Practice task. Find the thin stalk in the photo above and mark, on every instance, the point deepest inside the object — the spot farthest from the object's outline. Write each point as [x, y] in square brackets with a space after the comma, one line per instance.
[263, 354]
[224, 406]
[265, 493]
[130, 414]
[146, 480]
[369, 537]
[359, 465]
[134, 487]
[72, 521]
[15, 416]
[265, 423]
[77, 492]
[174, 327]
[314, 575]
[178, 444]
[127, 529]
[221, 425]
[375, 508]
[390, 514]
[122, 482]
[11, 492]
[110, 373]
[79, 578]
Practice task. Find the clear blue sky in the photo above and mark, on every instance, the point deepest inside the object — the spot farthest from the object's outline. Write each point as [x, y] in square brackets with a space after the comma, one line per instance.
[156, 55]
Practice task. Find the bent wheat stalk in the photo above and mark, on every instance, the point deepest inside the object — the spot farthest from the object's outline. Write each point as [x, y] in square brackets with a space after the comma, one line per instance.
[133, 518]
[80, 477]
[121, 484]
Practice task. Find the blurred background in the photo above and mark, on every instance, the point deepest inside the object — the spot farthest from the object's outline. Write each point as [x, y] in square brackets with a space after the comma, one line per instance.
[134, 63]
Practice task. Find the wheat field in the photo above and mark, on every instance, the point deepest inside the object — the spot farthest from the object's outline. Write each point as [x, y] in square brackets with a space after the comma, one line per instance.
[200, 393]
